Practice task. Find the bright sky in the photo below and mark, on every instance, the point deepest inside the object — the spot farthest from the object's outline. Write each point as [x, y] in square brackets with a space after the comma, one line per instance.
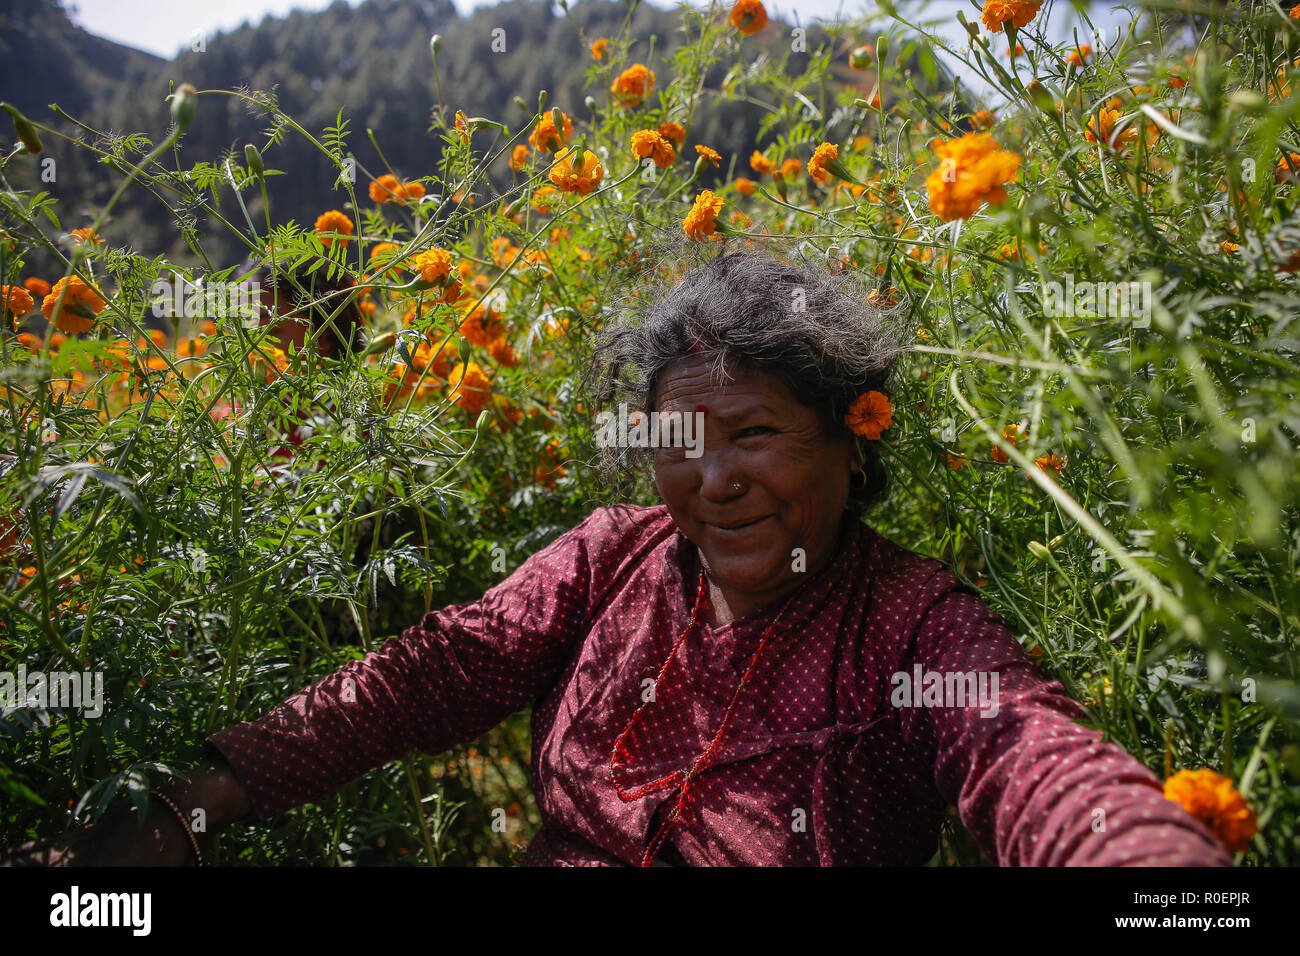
[166, 26]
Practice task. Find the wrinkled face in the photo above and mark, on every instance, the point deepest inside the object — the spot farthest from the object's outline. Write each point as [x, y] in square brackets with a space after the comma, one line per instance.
[793, 477]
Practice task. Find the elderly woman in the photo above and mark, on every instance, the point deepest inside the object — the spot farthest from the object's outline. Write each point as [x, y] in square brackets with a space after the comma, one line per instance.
[719, 679]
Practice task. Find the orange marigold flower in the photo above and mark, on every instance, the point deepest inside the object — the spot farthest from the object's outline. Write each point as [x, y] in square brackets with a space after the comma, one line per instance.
[710, 154]
[633, 84]
[545, 138]
[1052, 461]
[1101, 129]
[434, 265]
[673, 132]
[1077, 56]
[334, 222]
[971, 172]
[519, 157]
[482, 325]
[1295, 12]
[954, 462]
[883, 299]
[86, 234]
[386, 189]
[598, 49]
[745, 186]
[471, 389]
[748, 16]
[30, 342]
[81, 303]
[37, 287]
[760, 163]
[412, 190]
[870, 414]
[581, 178]
[998, 13]
[503, 354]
[462, 126]
[1230, 247]
[16, 301]
[1288, 168]
[649, 143]
[1214, 801]
[986, 118]
[822, 155]
[701, 221]
[1012, 434]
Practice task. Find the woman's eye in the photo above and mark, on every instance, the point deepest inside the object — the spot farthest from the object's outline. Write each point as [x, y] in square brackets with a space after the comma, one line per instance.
[756, 430]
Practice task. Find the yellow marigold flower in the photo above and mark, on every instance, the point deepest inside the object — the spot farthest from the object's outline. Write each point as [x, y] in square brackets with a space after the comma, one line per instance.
[760, 163]
[334, 222]
[598, 49]
[86, 234]
[649, 143]
[81, 303]
[462, 126]
[745, 186]
[580, 179]
[971, 172]
[434, 265]
[273, 358]
[37, 287]
[998, 13]
[1052, 461]
[748, 16]
[386, 189]
[791, 168]
[1101, 129]
[883, 299]
[545, 138]
[471, 389]
[1077, 56]
[1009, 250]
[673, 132]
[633, 84]
[1295, 12]
[16, 301]
[710, 154]
[870, 414]
[701, 221]
[519, 157]
[817, 165]
[1214, 801]
[1015, 436]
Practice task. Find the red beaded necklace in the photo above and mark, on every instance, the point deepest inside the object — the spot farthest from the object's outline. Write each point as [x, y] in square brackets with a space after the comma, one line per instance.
[686, 777]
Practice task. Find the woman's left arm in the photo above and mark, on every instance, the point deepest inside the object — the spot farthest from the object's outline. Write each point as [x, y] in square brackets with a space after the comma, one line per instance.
[1033, 786]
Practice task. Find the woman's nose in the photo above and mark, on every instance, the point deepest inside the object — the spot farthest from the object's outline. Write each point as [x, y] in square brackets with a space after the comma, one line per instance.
[718, 469]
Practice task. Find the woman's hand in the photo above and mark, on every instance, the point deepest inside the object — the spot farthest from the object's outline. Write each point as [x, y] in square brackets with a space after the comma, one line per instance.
[116, 840]
[121, 839]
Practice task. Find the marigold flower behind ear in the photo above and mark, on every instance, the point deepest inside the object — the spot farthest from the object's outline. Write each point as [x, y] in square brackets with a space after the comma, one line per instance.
[870, 414]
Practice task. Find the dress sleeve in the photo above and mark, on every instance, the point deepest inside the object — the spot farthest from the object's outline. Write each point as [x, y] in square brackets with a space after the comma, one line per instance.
[444, 681]
[1033, 786]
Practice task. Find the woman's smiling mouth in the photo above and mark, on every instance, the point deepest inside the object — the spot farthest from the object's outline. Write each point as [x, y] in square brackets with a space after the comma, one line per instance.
[736, 529]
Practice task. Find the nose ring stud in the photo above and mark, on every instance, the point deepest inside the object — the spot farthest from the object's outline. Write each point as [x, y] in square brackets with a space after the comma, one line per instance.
[735, 486]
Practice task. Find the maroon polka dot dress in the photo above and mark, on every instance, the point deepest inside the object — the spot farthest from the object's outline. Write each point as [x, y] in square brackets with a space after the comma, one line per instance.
[820, 761]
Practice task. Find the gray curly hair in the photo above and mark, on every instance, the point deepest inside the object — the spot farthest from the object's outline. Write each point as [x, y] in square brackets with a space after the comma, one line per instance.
[787, 314]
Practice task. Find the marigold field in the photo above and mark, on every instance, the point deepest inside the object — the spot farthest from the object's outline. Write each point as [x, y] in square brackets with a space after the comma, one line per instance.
[1115, 470]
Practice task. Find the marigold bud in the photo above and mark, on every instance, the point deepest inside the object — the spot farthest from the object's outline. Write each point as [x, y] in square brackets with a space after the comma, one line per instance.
[254, 159]
[184, 104]
[24, 130]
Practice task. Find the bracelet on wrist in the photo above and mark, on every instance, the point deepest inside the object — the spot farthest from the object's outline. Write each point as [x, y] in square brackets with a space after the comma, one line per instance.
[180, 818]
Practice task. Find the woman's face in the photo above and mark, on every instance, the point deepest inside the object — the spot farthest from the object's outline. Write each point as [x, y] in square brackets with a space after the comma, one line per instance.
[794, 482]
